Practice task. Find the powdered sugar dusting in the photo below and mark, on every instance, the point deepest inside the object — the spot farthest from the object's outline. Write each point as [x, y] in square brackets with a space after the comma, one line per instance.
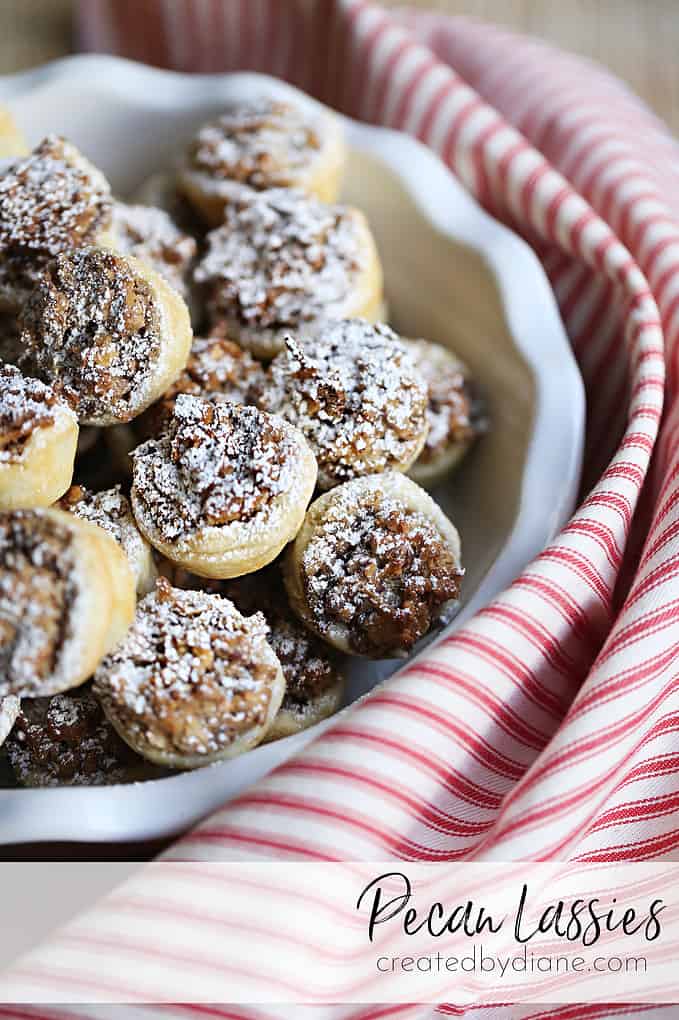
[9, 710]
[378, 570]
[65, 740]
[215, 464]
[263, 144]
[52, 200]
[92, 328]
[150, 235]
[25, 406]
[191, 675]
[109, 509]
[39, 594]
[355, 394]
[281, 259]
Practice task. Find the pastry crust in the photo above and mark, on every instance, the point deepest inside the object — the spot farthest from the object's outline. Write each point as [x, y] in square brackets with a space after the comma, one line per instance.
[223, 489]
[12, 142]
[374, 564]
[454, 411]
[66, 597]
[111, 511]
[107, 331]
[193, 682]
[323, 265]
[38, 441]
[9, 710]
[355, 394]
[259, 145]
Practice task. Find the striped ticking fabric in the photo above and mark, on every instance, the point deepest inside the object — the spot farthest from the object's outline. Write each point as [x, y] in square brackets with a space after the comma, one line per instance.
[547, 727]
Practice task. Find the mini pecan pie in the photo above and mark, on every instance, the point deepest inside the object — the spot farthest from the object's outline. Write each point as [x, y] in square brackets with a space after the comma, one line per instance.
[107, 332]
[223, 488]
[454, 410]
[51, 201]
[38, 440]
[217, 369]
[150, 235]
[258, 145]
[111, 510]
[66, 740]
[283, 262]
[355, 394]
[66, 597]
[193, 681]
[313, 677]
[375, 565]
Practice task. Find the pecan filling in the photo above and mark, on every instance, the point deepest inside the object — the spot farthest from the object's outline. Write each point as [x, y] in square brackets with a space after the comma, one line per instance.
[215, 464]
[110, 510]
[25, 406]
[280, 259]
[66, 741]
[92, 328]
[190, 676]
[381, 572]
[309, 666]
[150, 235]
[218, 370]
[38, 589]
[261, 144]
[51, 201]
[355, 395]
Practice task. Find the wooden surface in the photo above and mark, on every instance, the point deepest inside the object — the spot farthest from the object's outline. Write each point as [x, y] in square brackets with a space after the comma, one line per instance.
[638, 39]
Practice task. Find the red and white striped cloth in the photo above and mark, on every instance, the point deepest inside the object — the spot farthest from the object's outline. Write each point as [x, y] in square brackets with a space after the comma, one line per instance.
[547, 727]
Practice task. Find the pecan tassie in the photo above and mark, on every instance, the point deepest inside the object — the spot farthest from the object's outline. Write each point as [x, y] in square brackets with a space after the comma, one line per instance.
[110, 510]
[67, 741]
[25, 406]
[193, 681]
[150, 235]
[51, 201]
[312, 670]
[217, 369]
[282, 262]
[375, 565]
[106, 331]
[354, 392]
[455, 410]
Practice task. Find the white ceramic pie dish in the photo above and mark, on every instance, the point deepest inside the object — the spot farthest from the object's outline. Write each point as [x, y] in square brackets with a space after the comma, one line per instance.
[453, 275]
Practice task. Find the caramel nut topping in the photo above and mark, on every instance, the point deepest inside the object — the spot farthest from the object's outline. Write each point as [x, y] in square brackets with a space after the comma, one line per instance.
[454, 410]
[191, 675]
[52, 200]
[66, 740]
[215, 463]
[263, 144]
[110, 510]
[25, 406]
[281, 259]
[309, 666]
[92, 329]
[150, 235]
[355, 394]
[218, 370]
[379, 569]
[38, 595]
